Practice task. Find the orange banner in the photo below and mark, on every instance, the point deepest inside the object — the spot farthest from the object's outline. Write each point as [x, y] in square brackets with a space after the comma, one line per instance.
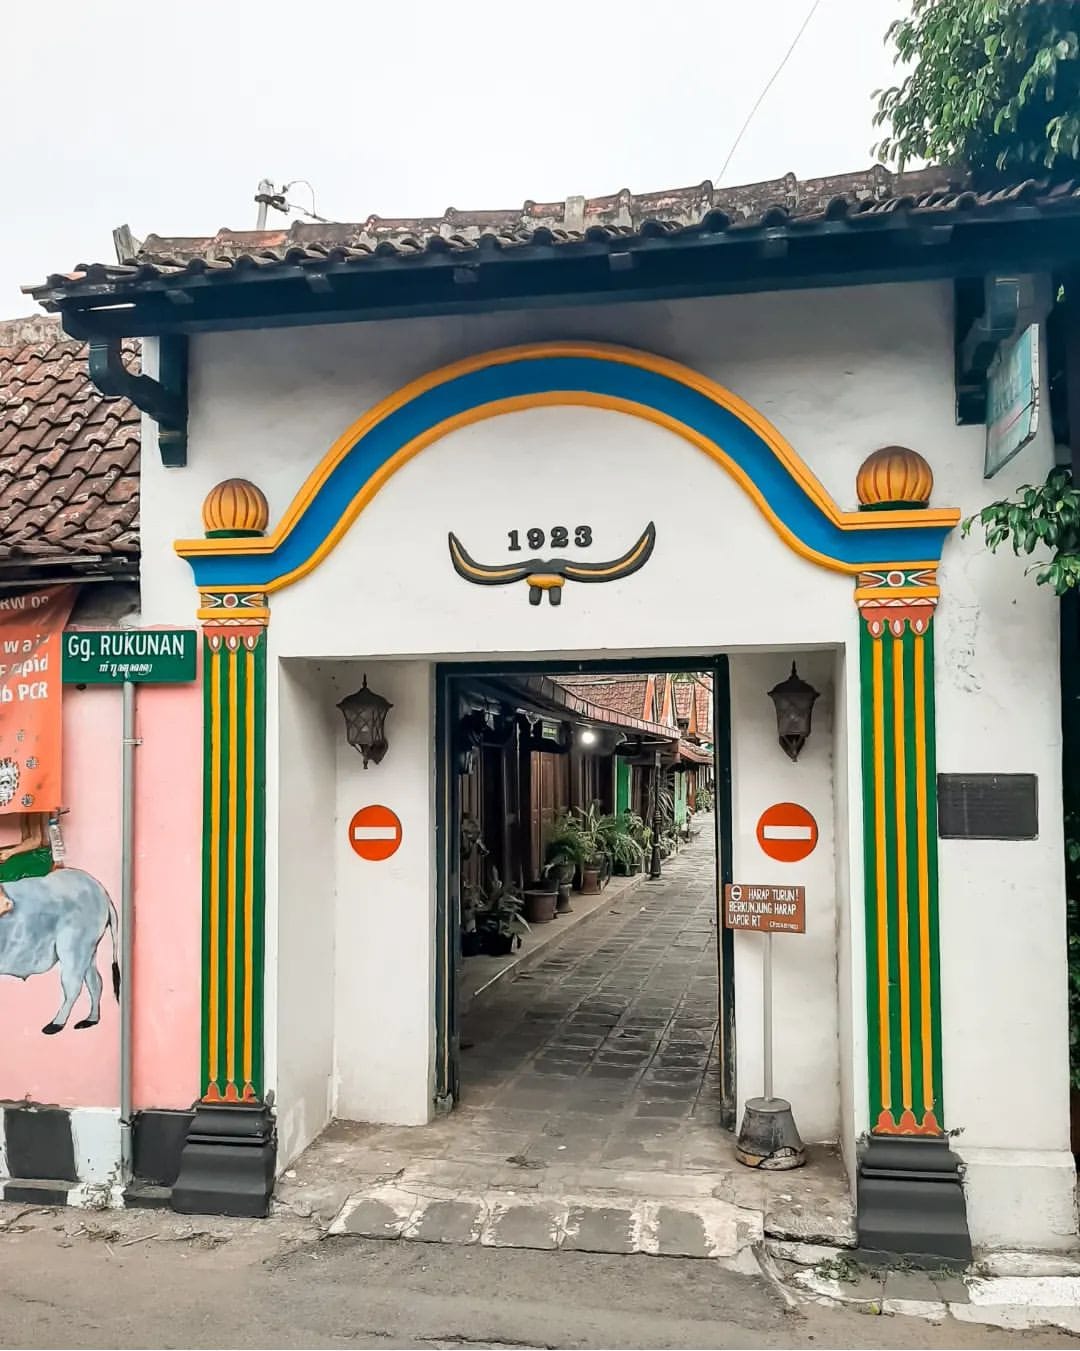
[31, 626]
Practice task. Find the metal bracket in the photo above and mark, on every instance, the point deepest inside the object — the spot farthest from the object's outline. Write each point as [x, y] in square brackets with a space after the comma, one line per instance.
[985, 313]
[163, 399]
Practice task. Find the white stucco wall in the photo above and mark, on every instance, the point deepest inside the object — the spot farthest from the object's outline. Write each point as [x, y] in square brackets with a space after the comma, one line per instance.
[301, 905]
[383, 979]
[806, 1057]
[839, 373]
[850, 921]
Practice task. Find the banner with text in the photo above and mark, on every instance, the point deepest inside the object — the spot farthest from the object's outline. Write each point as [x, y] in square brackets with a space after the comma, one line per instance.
[31, 625]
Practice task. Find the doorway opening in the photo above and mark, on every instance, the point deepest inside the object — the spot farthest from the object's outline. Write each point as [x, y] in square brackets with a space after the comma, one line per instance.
[585, 819]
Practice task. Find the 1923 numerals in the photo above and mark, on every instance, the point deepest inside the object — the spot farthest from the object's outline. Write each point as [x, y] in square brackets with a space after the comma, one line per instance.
[558, 537]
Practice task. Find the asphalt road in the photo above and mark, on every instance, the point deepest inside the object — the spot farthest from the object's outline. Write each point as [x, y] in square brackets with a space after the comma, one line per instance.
[74, 1279]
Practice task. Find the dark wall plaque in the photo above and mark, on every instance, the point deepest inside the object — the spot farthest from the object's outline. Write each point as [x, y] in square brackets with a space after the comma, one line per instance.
[988, 806]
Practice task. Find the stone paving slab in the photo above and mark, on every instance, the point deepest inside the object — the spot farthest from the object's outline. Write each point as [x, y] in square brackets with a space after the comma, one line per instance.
[591, 1087]
[536, 1224]
[446, 1222]
[426, 1212]
[681, 1233]
[601, 1229]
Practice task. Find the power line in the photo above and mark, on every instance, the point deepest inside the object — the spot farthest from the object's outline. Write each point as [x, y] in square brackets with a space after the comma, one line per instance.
[761, 97]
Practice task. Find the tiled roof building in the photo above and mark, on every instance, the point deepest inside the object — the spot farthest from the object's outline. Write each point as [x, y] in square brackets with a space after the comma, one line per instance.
[69, 461]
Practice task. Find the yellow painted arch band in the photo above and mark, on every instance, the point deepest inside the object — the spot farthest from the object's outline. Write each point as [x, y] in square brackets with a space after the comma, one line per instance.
[791, 461]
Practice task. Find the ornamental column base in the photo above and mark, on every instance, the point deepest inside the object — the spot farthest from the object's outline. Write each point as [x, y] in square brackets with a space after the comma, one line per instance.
[910, 1200]
[228, 1161]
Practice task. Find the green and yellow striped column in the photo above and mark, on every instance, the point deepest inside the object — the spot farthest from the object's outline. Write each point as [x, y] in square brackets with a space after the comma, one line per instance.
[234, 845]
[900, 822]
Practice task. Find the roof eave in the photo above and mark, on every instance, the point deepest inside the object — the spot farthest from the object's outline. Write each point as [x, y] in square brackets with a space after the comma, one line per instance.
[896, 247]
[53, 569]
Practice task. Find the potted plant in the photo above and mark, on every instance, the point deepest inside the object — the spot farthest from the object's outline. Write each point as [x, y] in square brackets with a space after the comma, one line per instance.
[596, 867]
[541, 900]
[501, 922]
[566, 851]
[626, 852]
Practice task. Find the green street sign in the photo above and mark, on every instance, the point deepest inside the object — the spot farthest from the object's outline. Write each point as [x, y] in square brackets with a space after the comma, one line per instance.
[150, 656]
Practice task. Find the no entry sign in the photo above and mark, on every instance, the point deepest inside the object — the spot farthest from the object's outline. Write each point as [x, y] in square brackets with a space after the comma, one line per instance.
[375, 833]
[787, 832]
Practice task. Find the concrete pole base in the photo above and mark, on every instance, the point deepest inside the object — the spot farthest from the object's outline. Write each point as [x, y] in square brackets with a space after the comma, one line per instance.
[768, 1137]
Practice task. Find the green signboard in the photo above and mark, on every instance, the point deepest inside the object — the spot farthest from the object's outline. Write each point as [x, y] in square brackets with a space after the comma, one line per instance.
[1012, 400]
[111, 656]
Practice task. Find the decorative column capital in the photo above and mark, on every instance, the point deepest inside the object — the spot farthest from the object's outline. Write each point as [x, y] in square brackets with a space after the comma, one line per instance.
[233, 616]
[895, 599]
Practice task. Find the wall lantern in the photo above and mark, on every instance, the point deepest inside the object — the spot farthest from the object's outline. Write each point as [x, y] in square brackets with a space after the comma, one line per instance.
[365, 721]
[794, 701]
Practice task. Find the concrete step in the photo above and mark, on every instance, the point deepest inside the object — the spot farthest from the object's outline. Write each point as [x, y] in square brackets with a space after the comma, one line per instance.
[147, 1196]
[37, 1191]
[701, 1227]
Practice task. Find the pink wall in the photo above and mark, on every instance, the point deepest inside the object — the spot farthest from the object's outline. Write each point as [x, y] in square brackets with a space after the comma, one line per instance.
[79, 1067]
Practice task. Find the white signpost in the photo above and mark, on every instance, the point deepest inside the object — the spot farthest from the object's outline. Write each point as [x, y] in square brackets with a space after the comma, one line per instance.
[768, 1137]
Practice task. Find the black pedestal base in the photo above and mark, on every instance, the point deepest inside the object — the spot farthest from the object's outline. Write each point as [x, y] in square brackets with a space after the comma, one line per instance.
[911, 1202]
[227, 1163]
[768, 1138]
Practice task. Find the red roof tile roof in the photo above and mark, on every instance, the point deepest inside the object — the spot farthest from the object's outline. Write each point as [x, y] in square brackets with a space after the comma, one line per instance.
[858, 201]
[703, 699]
[69, 457]
[692, 754]
[624, 695]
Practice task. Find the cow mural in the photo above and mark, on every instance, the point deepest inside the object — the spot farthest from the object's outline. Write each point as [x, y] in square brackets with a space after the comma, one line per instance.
[58, 919]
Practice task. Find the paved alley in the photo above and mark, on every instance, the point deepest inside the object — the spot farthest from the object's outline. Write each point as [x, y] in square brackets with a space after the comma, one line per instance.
[590, 1109]
[607, 1050]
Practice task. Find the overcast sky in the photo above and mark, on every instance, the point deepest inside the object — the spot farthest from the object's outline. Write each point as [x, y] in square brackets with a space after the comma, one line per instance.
[165, 117]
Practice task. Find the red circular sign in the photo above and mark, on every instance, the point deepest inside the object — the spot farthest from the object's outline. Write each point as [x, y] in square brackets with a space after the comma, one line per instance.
[375, 833]
[787, 832]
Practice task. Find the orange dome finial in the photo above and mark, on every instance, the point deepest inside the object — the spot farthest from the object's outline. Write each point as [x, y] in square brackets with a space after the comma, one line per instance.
[896, 477]
[236, 507]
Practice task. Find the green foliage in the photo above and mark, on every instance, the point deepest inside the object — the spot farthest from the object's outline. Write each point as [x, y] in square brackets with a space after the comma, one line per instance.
[662, 805]
[619, 836]
[566, 844]
[502, 909]
[1047, 517]
[669, 843]
[703, 800]
[589, 819]
[995, 83]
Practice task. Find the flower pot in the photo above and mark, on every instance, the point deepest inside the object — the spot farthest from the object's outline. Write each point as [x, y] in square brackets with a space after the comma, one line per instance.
[562, 904]
[495, 944]
[590, 880]
[472, 944]
[540, 906]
